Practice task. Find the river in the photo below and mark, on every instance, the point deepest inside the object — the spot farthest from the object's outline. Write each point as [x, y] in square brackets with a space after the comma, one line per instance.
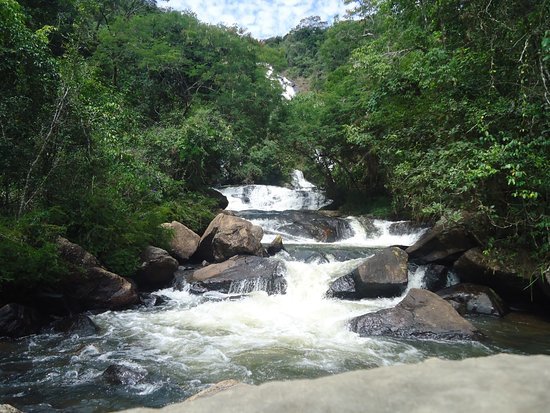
[192, 341]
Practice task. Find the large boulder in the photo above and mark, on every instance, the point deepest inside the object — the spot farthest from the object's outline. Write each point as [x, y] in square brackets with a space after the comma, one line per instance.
[421, 314]
[477, 268]
[473, 299]
[157, 268]
[99, 289]
[184, 241]
[240, 274]
[442, 244]
[18, 321]
[385, 274]
[88, 286]
[504, 383]
[227, 236]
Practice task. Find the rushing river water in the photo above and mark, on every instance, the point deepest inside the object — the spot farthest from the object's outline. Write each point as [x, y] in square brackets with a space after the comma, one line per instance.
[193, 341]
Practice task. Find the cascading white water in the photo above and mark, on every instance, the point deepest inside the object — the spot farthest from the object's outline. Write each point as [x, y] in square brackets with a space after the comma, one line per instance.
[303, 196]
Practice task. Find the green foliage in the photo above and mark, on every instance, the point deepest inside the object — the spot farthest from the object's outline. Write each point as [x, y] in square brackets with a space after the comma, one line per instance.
[113, 230]
[28, 251]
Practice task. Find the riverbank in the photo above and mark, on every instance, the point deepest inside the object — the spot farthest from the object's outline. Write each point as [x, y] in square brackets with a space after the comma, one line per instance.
[503, 383]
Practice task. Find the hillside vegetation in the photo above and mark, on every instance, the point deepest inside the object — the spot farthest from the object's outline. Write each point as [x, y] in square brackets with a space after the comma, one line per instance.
[117, 115]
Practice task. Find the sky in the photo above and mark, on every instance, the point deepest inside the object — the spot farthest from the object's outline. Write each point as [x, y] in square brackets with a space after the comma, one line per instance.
[262, 18]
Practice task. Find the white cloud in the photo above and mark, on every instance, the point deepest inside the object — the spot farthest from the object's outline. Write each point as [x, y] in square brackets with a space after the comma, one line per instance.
[262, 19]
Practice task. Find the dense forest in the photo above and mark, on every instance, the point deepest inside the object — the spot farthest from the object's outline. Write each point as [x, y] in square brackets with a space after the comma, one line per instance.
[118, 115]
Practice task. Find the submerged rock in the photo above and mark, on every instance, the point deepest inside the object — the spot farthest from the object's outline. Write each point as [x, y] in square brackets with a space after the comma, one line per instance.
[78, 324]
[442, 244]
[227, 236]
[473, 299]
[157, 268]
[421, 314]
[240, 274]
[184, 242]
[18, 321]
[118, 374]
[385, 274]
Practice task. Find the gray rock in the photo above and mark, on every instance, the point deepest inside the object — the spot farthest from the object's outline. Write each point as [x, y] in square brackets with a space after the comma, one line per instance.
[421, 314]
[240, 274]
[157, 268]
[227, 236]
[184, 242]
[385, 274]
[474, 299]
[442, 244]
[503, 383]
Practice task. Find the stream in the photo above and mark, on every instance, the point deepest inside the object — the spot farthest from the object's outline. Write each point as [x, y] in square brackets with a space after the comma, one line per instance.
[193, 341]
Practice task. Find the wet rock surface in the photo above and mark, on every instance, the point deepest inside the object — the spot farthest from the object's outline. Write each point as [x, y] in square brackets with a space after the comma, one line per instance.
[421, 314]
[240, 274]
[385, 274]
[474, 299]
[310, 224]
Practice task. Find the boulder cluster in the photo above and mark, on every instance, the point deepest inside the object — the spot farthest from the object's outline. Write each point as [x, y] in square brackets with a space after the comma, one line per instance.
[229, 257]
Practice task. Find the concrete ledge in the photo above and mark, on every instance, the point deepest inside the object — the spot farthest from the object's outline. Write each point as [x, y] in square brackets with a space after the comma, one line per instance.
[502, 383]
